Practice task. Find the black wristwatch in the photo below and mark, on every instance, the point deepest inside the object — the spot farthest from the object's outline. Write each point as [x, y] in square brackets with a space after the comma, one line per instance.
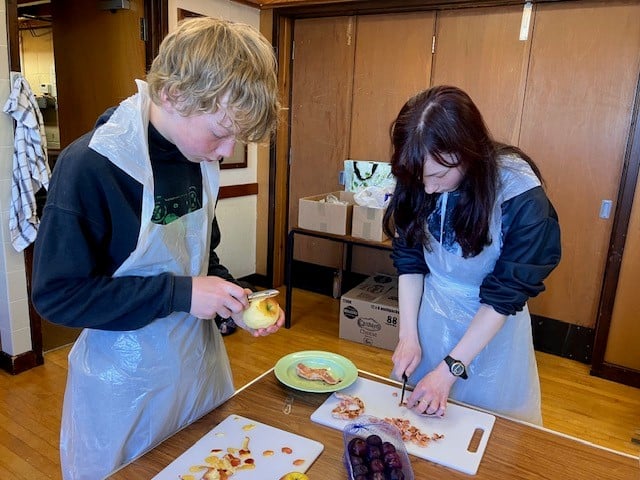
[456, 367]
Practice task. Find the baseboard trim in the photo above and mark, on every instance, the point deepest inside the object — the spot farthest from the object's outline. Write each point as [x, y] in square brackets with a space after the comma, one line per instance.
[563, 339]
[618, 374]
[15, 364]
[549, 335]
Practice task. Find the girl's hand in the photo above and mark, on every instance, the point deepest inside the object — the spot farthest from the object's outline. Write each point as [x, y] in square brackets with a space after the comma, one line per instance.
[431, 393]
[406, 358]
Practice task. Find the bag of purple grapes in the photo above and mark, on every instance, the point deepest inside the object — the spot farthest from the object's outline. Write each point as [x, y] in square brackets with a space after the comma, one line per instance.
[374, 450]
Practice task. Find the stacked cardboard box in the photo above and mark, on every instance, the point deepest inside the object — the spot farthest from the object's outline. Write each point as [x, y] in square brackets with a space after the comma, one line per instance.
[360, 174]
[369, 312]
[367, 223]
[316, 213]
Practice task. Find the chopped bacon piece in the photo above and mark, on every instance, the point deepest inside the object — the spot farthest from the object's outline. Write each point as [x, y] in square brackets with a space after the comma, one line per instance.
[412, 434]
[315, 374]
[350, 407]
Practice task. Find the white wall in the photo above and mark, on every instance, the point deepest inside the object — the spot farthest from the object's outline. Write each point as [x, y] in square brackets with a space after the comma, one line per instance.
[236, 216]
[15, 330]
[237, 220]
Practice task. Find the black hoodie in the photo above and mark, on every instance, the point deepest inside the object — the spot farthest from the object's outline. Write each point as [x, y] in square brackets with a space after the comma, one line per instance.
[90, 226]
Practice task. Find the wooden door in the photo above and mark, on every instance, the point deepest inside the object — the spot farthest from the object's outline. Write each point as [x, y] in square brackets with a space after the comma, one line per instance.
[479, 51]
[368, 68]
[98, 54]
[392, 63]
[576, 119]
[624, 330]
[320, 118]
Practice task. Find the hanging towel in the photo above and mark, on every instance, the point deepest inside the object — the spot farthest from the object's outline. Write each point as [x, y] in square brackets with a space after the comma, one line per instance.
[30, 167]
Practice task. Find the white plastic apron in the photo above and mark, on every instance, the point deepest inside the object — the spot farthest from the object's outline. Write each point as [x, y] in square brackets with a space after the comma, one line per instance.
[504, 375]
[128, 391]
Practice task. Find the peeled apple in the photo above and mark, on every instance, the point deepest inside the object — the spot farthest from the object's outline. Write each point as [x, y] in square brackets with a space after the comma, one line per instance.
[261, 313]
[294, 476]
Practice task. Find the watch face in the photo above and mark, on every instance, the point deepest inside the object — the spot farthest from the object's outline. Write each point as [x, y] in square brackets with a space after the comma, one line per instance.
[457, 368]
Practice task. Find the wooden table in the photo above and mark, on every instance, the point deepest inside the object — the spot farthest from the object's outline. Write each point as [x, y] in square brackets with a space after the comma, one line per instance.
[514, 451]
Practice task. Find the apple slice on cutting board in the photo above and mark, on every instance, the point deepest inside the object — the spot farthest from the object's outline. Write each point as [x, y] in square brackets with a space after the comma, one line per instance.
[273, 452]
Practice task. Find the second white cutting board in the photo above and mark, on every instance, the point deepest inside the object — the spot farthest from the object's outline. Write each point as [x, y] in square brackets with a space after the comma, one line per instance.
[274, 451]
[458, 425]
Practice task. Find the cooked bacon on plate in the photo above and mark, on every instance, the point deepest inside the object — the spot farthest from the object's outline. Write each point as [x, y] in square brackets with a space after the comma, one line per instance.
[321, 374]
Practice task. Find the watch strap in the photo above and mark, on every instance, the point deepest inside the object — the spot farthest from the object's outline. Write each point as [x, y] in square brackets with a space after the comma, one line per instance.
[456, 367]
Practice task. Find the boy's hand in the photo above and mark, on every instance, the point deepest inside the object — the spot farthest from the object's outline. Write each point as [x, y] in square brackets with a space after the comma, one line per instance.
[211, 296]
[260, 332]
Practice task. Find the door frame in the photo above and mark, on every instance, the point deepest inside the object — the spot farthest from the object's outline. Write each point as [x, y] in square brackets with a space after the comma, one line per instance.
[626, 194]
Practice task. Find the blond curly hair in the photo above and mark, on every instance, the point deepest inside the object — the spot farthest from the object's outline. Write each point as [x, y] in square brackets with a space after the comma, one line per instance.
[205, 60]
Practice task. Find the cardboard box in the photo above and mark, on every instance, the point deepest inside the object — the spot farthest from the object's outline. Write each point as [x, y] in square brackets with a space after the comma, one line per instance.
[316, 214]
[369, 312]
[367, 223]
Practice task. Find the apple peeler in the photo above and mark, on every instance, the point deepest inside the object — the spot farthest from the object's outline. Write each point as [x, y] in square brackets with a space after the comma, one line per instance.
[262, 294]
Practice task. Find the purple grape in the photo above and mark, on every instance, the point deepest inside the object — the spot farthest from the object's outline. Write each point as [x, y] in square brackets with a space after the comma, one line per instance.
[373, 451]
[395, 474]
[374, 440]
[360, 470]
[376, 465]
[372, 459]
[388, 447]
[357, 446]
[392, 461]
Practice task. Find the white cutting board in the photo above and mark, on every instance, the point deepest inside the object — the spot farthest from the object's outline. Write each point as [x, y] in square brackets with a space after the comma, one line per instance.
[230, 433]
[458, 425]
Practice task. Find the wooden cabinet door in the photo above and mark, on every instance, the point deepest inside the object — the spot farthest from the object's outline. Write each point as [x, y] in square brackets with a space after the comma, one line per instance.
[392, 63]
[98, 54]
[320, 118]
[349, 81]
[576, 119]
[479, 51]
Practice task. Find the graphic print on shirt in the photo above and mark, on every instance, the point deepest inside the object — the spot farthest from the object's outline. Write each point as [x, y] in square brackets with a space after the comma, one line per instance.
[167, 210]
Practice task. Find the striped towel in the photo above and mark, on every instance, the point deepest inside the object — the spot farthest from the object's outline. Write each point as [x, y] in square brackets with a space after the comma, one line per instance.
[30, 167]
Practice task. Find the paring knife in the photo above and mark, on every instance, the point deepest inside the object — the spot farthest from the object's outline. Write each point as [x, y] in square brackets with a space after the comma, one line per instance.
[404, 386]
[262, 294]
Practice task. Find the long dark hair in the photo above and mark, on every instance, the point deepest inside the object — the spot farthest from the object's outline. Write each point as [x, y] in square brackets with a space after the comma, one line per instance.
[444, 122]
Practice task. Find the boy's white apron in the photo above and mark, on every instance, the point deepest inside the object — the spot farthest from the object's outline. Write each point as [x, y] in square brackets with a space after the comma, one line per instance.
[504, 375]
[127, 391]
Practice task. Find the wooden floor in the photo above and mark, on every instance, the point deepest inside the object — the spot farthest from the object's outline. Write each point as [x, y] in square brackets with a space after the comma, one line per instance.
[574, 403]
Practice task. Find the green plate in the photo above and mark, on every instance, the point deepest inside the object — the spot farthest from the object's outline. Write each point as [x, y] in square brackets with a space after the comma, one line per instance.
[339, 366]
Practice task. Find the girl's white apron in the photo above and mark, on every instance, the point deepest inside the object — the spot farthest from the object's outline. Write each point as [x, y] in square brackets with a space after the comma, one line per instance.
[127, 391]
[504, 375]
